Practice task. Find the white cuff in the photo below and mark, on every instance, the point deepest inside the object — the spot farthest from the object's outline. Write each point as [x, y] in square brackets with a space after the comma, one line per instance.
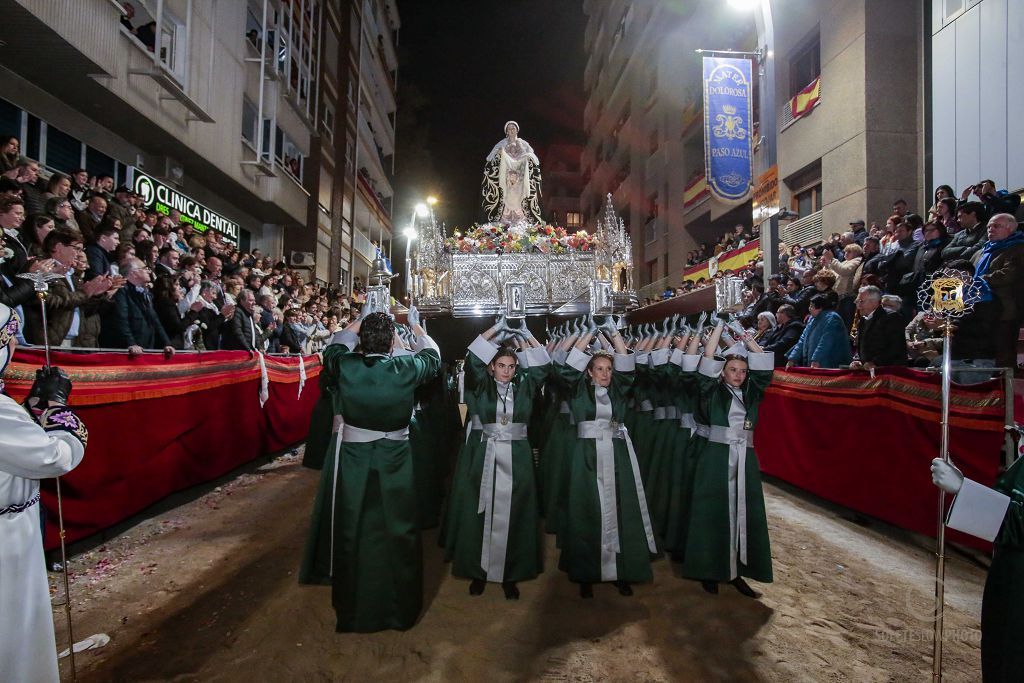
[624, 362]
[483, 349]
[642, 357]
[761, 361]
[710, 367]
[536, 356]
[978, 510]
[558, 356]
[578, 359]
[676, 358]
[690, 362]
[425, 342]
[400, 351]
[660, 356]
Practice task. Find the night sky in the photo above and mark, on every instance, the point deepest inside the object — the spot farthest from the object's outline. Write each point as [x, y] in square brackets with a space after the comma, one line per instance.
[465, 69]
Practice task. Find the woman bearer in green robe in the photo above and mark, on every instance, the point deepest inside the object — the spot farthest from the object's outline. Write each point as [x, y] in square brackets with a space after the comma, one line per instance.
[607, 533]
[727, 534]
[495, 536]
[364, 537]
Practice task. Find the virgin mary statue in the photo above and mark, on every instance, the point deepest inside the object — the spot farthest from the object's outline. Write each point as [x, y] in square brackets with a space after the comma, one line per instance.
[511, 186]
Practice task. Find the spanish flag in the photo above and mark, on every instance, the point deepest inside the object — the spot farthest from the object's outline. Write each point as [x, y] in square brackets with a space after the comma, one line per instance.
[735, 259]
[804, 101]
[695, 191]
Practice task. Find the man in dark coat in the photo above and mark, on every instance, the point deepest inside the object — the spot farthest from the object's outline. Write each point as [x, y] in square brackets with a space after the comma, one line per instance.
[880, 338]
[132, 322]
[785, 335]
[242, 333]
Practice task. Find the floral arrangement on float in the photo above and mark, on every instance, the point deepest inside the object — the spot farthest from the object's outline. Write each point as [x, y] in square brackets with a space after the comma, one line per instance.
[519, 238]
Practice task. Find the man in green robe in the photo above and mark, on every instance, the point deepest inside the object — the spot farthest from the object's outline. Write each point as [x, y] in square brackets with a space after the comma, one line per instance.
[364, 534]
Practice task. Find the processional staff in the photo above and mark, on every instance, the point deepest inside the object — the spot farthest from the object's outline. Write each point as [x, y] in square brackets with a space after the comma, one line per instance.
[41, 284]
[948, 295]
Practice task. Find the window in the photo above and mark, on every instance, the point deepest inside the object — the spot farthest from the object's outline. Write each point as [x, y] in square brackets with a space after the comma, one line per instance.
[805, 66]
[249, 114]
[326, 191]
[328, 121]
[651, 231]
[172, 41]
[97, 163]
[807, 201]
[652, 271]
[805, 186]
[573, 219]
[63, 152]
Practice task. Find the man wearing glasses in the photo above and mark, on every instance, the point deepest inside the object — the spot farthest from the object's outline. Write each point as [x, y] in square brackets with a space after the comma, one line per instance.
[132, 322]
[69, 299]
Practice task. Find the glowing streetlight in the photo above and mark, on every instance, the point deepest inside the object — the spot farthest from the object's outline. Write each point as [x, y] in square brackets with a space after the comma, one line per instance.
[409, 232]
[432, 200]
[422, 210]
[744, 5]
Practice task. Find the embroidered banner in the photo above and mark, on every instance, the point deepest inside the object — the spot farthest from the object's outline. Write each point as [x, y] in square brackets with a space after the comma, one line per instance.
[727, 127]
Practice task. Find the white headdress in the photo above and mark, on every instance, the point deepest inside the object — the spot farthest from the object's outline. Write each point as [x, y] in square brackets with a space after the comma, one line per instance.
[510, 123]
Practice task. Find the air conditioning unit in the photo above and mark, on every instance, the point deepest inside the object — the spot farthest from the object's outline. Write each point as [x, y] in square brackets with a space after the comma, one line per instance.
[161, 167]
[302, 259]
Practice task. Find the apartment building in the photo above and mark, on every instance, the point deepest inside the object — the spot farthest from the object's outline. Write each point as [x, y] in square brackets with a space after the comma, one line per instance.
[976, 59]
[231, 107]
[562, 184]
[845, 156]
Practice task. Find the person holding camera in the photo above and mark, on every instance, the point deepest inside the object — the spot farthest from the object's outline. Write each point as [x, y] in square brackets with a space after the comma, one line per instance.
[39, 440]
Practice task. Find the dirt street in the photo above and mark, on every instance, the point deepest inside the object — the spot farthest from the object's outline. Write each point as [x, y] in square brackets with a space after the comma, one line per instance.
[208, 592]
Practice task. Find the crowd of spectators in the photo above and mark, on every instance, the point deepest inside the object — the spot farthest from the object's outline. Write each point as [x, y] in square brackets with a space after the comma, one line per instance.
[138, 280]
[735, 239]
[854, 298]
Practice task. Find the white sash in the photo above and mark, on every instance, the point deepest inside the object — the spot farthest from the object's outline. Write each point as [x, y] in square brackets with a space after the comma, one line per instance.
[603, 430]
[737, 439]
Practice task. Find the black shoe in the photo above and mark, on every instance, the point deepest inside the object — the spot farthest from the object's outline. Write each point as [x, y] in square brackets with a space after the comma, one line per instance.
[624, 588]
[710, 586]
[586, 590]
[511, 590]
[744, 588]
[476, 587]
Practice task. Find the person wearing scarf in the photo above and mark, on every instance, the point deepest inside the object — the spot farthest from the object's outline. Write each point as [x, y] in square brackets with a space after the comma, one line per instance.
[39, 440]
[1000, 267]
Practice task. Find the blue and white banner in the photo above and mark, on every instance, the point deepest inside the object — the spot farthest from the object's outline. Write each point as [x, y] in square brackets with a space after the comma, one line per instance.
[727, 127]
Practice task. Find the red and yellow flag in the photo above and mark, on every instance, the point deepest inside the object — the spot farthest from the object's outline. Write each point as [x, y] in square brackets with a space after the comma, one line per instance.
[804, 101]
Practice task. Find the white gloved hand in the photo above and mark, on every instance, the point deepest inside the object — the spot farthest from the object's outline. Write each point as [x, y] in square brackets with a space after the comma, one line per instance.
[413, 316]
[946, 476]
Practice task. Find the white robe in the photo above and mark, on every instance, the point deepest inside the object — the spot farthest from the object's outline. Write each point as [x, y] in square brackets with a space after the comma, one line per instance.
[28, 651]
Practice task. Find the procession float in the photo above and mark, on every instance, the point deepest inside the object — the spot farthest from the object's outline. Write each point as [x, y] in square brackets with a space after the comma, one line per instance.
[515, 262]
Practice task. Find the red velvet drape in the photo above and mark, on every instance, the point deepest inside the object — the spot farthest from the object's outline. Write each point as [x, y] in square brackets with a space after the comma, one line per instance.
[867, 444]
[200, 418]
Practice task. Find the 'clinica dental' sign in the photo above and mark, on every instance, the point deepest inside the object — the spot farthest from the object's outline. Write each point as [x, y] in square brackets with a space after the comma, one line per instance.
[163, 198]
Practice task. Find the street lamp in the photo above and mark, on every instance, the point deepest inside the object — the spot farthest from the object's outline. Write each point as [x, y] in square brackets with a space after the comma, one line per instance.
[421, 210]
